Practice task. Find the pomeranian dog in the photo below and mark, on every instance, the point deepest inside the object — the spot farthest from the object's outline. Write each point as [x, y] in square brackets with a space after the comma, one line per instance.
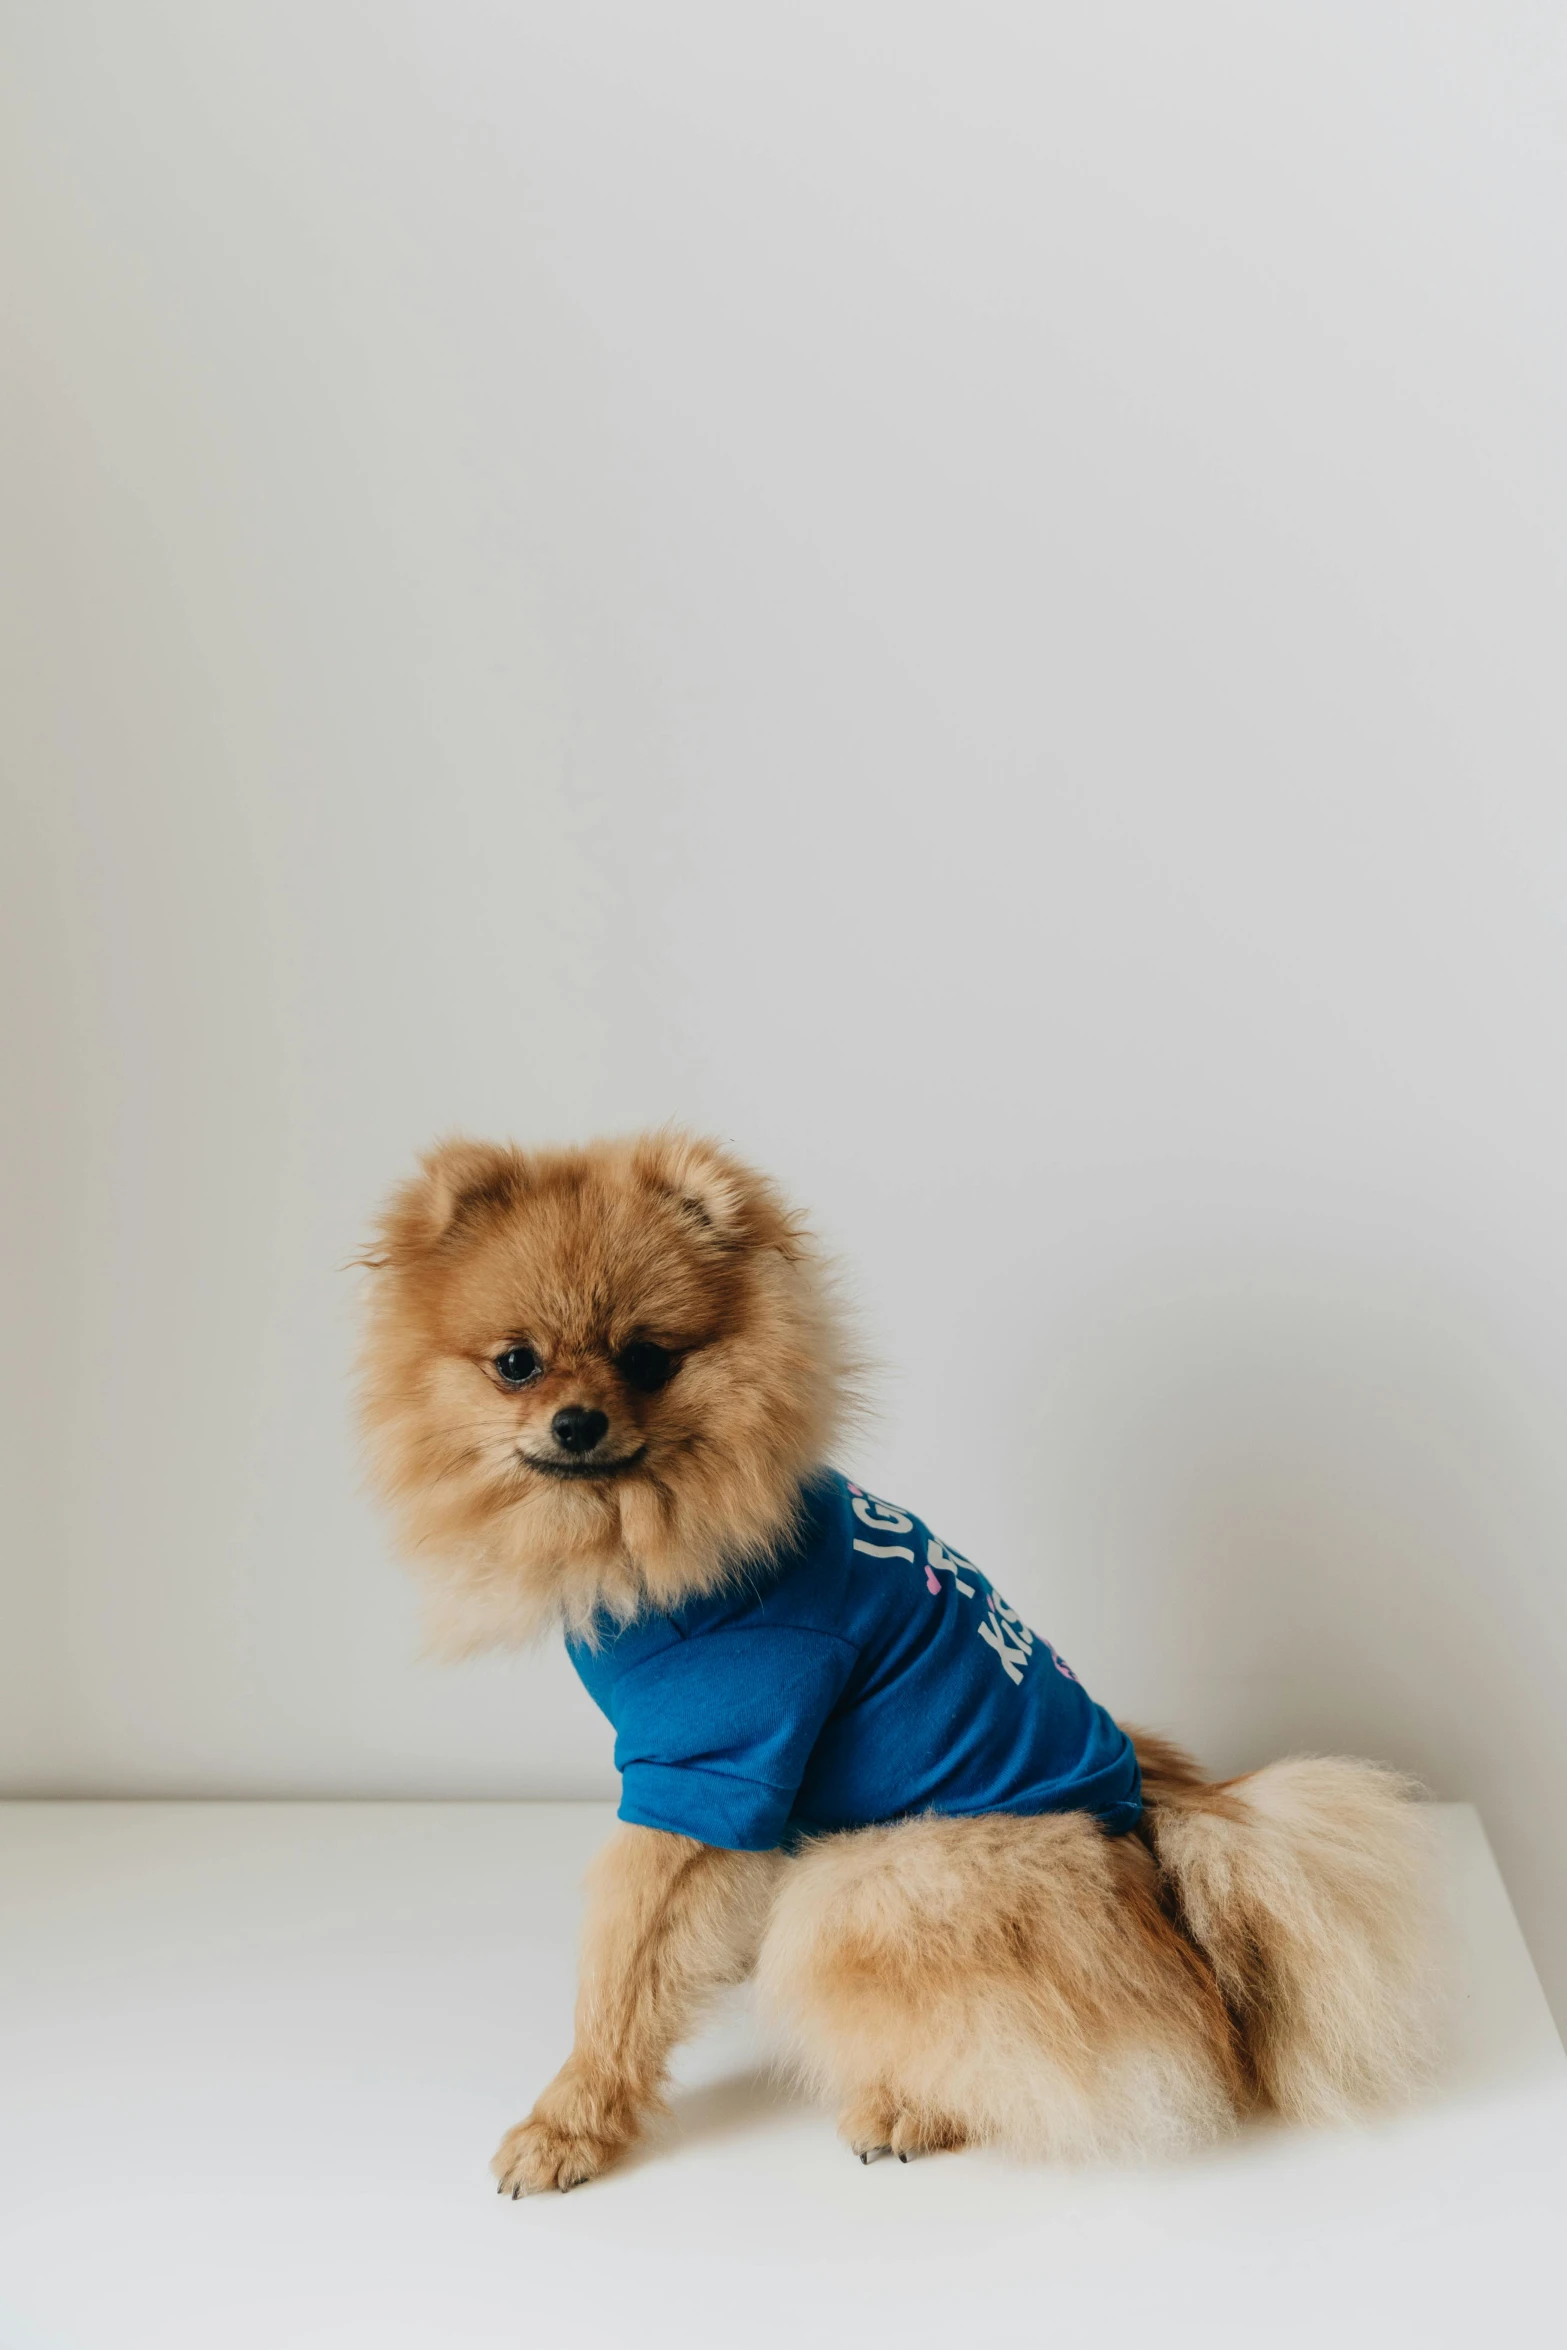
[600, 1391]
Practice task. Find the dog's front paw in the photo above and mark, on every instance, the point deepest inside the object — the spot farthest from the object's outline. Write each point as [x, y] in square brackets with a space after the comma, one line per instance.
[540, 2154]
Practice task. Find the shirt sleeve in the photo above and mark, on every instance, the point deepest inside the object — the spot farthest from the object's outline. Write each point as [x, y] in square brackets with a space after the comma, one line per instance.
[712, 1735]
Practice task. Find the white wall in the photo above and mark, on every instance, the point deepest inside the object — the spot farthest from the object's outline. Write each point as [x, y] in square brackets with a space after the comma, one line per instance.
[969, 596]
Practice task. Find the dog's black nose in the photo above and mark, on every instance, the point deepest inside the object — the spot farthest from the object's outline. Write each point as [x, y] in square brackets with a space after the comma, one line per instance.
[578, 1430]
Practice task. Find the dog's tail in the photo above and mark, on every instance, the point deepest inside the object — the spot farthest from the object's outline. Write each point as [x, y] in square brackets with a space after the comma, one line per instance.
[1309, 1887]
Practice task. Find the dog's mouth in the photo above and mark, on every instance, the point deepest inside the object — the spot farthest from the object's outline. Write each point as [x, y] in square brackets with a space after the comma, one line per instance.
[580, 1469]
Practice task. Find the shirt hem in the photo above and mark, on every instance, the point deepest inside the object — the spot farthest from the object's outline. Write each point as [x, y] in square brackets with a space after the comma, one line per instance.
[637, 1815]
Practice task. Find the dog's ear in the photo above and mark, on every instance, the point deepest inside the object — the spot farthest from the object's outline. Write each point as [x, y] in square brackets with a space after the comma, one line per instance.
[716, 1193]
[457, 1181]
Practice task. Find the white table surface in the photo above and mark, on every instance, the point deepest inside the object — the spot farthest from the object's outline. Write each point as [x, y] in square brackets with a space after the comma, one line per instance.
[254, 2059]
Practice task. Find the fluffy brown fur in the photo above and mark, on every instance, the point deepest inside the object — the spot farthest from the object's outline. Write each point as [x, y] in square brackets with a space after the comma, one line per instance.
[944, 1981]
[1035, 1984]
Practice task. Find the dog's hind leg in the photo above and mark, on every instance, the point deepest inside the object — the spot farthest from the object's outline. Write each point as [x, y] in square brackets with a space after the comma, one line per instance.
[1010, 1980]
[880, 2120]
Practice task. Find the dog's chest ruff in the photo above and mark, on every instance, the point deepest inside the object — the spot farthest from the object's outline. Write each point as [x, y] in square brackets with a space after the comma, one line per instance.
[865, 1673]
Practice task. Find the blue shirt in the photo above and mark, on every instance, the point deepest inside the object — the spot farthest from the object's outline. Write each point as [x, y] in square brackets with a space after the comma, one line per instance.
[862, 1674]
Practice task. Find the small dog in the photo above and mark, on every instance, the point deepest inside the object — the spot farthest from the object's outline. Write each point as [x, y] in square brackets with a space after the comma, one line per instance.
[599, 1391]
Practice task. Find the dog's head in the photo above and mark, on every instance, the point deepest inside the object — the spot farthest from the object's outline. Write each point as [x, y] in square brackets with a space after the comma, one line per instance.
[592, 1378]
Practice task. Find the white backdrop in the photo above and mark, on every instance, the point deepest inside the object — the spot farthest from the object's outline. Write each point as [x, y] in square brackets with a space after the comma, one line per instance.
[970, 597]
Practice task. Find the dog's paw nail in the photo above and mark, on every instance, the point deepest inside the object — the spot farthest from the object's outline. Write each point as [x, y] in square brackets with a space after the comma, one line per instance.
[903, 2158]
[516, 2191]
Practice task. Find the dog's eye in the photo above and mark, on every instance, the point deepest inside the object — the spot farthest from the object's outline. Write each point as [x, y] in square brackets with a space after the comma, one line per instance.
[517, 1366]
[644, 1365]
